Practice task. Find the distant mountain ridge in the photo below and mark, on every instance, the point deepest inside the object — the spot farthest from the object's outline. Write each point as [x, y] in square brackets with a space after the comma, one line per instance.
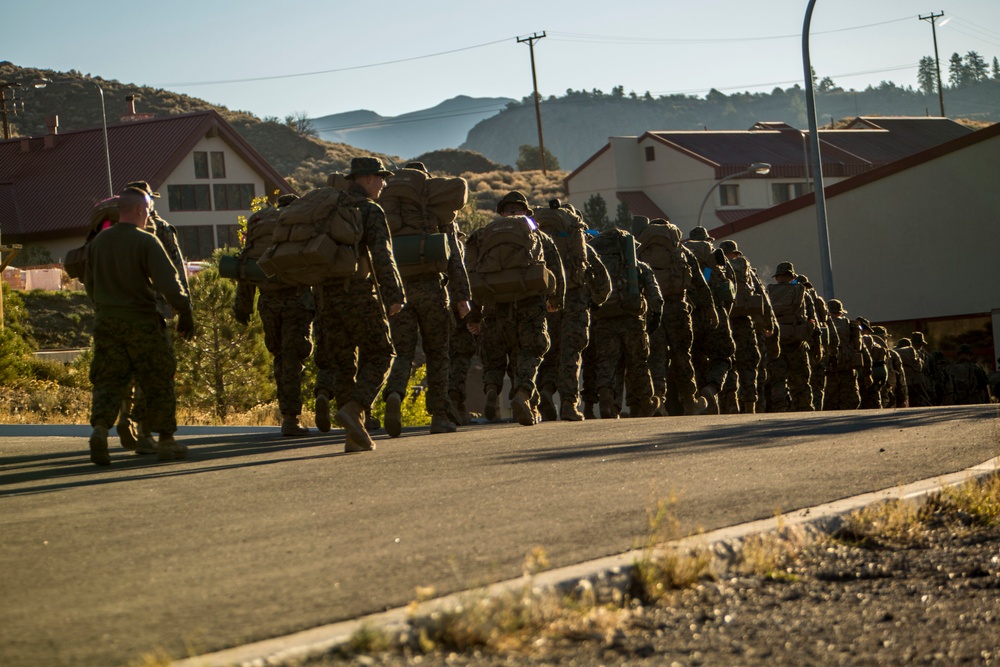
[445, 125]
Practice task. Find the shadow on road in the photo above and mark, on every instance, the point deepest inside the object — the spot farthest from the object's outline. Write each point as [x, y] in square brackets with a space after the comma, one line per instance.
[72, 469]
[771, 431]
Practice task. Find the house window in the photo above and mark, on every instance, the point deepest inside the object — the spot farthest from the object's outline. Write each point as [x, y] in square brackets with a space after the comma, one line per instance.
[228, 235]
[200, 164]
[189, 198]
[650, 153]
[729, 195]
[218, 164]
[233, 196]
[197, 241]
[782, 192]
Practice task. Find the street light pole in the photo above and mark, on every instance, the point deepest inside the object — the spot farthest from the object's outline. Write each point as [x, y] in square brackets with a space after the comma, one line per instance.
[760, 168]
[826, 265]
[3, 104]
[42, 83]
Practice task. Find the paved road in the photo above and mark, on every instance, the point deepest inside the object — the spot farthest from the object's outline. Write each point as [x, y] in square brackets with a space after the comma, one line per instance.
[258, 536]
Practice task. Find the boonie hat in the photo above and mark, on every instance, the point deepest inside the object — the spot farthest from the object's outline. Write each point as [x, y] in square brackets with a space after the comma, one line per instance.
[514, 197]
[730, 247]
[700, 234]
[142, 186]
[367, 166]
[785, 267]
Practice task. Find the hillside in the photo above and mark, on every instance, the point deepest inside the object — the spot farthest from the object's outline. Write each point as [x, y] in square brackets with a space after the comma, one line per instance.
[579, 123]
[445, 125]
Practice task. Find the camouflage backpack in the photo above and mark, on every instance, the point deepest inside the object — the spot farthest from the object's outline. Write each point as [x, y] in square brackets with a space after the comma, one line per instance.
[259, 233]
[963, 379]
[788, 304]
[616, 249]
[749, 302]
[317, 238]
[420, 210]
[568, 230]
[506, 262]
[659, 246]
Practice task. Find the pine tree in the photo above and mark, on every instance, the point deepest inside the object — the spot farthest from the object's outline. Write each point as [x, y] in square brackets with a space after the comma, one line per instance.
[623, 217]
[996, 69]
[958, 75]
[529, 159]
[595, 212]
[976, 67]
[927, 75]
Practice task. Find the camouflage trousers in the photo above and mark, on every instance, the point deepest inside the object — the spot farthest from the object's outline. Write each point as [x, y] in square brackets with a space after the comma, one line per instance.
[741, 384]
[427, 317]
[712, 353]
[286, 336]
[622, 351]
[515, 335]
[569, 331]
[788, 376]
[670, 351]
[918, 388]
[462, 346]
[353, 349]
[842, 389]
[123, 351]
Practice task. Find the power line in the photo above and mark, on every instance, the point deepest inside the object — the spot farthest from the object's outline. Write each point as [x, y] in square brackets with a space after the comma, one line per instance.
[613, 39]
[330, 71]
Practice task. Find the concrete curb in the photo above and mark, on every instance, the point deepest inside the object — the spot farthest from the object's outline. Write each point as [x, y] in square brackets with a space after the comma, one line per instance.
[316, 642]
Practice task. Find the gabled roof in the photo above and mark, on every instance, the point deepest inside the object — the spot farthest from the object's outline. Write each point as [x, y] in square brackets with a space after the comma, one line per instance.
[867, 143]
[47, 192]
[639, 203]
[933, 153]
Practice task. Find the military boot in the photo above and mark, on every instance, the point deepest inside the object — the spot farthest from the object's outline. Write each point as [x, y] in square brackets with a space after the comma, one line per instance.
[568, 412]
[322, 413]
[607, 403]
[99, 446]
[168, 449]
[441, 424]
[644, 408]
[694, 406]
[520, 405]
[490, 409]
[710, 393]
[546, 406]
[588, 410]
[457, 412]
[371, 422]
[351, 419]
[661, 407]
[748, 407]
[393, 417]
[128, 433]
[290, 426]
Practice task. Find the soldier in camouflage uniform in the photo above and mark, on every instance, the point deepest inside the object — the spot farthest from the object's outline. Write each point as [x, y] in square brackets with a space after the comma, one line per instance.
[894, 390]
[843, 363]
[922, 389]
[875, 372]
[788, 375]
[125, 267]
[913, 369]
[993, 379]
[286, 314]
[587, 285]
[622, 327]
[429, 318]
[354, 320]
[818, 344]
[713, 347]
[133, 433]
[750, 318]
[462, 346]
[681, 283]
[515, 334]
[968, 379]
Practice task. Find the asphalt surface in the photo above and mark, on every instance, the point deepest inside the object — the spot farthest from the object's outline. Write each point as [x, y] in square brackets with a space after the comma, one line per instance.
[258, 536]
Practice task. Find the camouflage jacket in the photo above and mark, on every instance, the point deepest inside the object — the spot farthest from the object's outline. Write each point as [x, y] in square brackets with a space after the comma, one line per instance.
[167, 234]
[378, 242]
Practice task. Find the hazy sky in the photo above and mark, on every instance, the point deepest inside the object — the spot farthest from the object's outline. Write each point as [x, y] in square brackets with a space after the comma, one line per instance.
[662, 46]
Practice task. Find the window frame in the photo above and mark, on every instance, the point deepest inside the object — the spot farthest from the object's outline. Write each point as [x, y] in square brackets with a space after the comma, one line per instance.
[233, 196]
[201, 164]
[189, 197]
[733, 188]
[221, 172]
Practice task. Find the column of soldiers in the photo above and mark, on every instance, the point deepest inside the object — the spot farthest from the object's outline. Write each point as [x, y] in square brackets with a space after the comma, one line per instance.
[649, 324]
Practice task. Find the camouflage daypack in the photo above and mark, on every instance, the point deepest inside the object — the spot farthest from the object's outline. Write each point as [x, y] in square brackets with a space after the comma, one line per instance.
[568, 230]
[749, 301]
[788, 304]
[506, 262]
[420, 210]
[723, 290]
[616, 249]
[259, 234]
[317, 238]
[659, 246]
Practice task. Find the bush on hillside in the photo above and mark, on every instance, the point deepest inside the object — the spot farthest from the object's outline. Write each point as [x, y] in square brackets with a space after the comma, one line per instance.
[454, 162]
[539, 188]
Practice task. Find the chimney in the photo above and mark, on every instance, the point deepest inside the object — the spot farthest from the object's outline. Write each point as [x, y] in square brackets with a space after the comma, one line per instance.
[51, 130]
[130, 105]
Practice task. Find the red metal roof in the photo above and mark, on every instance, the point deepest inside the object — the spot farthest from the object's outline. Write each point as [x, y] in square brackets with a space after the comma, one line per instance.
[48, 192]
[766, 215]
[732, 215]
[639, 203]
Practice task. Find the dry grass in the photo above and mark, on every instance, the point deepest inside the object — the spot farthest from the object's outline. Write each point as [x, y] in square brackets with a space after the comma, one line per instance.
[976, 502]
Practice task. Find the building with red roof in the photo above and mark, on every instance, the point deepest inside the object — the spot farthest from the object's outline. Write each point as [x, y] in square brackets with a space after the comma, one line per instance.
[206, 172]
[668, 174]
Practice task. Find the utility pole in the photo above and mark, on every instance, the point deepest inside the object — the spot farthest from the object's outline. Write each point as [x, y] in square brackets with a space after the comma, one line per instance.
[3, 104]
[932, 17]
[534, 81]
